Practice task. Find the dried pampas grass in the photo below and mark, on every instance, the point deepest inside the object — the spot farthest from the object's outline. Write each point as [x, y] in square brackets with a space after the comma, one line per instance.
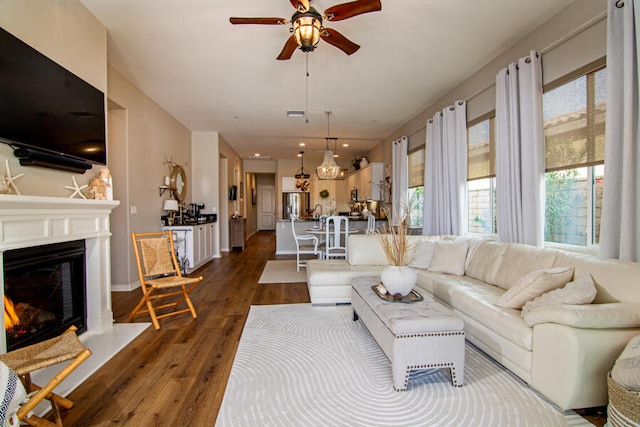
[394, 241]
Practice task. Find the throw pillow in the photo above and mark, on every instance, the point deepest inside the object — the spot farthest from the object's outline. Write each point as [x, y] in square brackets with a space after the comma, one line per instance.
[449, 257]
[423, 254]
[626, 370]
[534, 284]
[581, 291]
[14, 396]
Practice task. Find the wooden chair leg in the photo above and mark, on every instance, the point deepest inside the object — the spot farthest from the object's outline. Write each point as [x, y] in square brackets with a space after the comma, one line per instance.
[40, 422]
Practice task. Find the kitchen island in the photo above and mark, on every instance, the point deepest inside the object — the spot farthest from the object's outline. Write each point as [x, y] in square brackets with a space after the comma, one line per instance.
[285, 244]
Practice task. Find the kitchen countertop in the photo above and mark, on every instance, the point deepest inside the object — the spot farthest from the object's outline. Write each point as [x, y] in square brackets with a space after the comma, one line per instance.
[190, 224]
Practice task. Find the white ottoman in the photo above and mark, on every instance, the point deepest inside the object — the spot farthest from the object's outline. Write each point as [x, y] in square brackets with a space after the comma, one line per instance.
[418, 335]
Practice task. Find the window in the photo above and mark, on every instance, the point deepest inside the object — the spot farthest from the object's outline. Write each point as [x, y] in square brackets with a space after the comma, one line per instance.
[415, 193]
[481, 174]
[574, 122]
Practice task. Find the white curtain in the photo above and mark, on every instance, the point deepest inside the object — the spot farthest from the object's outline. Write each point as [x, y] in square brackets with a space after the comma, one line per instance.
[520, 152]
[619, 230]
[400, 178]
[445, 172]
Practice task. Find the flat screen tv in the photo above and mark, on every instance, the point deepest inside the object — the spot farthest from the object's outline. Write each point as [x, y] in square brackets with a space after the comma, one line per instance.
[44, 108]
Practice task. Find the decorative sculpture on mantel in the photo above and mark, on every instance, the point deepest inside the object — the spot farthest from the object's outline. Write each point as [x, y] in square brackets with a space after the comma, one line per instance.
[77, 189]
[100, 186]
[10, 179]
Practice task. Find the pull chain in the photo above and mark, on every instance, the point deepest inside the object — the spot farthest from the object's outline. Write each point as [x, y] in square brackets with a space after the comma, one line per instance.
[306, 91]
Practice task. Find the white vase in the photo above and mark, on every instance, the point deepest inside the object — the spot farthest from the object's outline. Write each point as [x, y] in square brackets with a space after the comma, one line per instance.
[398, 279]
[364, 162]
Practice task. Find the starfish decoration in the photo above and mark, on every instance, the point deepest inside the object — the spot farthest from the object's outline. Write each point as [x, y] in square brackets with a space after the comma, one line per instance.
[9, 178]
[77, 189]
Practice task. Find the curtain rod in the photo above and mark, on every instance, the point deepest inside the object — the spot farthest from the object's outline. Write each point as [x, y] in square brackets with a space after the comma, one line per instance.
[548, 48]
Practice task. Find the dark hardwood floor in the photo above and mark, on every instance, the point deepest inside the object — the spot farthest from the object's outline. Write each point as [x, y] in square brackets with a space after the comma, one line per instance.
[177, 376]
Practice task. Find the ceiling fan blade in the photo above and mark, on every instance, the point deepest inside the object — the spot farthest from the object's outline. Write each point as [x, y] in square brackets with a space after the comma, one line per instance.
[300, 5]
[260, 21]
[289, 47]
[354, 8]
[338, 40]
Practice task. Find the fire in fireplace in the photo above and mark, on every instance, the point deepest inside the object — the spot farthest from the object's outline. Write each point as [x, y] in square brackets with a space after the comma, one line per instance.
[44, 292]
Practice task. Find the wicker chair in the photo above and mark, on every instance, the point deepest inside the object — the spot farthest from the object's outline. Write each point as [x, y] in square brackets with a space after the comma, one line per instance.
[160, 277]
[47, 353]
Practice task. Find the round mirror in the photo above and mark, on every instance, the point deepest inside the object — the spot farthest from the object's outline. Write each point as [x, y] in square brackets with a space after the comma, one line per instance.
[179, 178]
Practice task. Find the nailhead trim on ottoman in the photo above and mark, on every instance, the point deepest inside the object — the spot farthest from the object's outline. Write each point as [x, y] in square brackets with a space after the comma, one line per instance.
[405, 333]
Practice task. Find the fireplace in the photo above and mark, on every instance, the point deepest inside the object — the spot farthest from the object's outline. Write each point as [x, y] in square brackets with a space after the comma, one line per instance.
[35, 221]
[44, 292]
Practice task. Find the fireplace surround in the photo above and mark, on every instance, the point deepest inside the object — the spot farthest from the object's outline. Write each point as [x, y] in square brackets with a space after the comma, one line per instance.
[30, 221]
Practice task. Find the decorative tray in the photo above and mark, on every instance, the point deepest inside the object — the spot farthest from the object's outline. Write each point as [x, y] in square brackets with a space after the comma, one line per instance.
[412, 296]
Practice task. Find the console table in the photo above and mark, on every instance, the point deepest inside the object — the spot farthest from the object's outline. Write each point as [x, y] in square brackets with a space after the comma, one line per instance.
[238, 232]
[419, 335]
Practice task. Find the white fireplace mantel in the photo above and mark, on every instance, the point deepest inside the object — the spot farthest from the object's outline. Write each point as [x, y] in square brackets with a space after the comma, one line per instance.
[27, 221]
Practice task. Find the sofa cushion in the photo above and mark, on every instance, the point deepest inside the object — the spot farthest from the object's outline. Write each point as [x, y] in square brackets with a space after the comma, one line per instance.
[477, 301]
[615, 280]
[581, 291]
[485, 261]
[626, 370]
[587, 316]
[519, 260]
[423, 254]
[535, 284]
[334, 272]
[474, 242]
[415, 240]
[366, 250]
[449, 257]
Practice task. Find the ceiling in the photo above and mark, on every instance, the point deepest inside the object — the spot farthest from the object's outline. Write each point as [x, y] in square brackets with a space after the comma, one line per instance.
[214, 76]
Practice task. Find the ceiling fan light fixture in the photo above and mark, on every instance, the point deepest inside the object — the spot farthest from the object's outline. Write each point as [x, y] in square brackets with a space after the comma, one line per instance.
[306, 29]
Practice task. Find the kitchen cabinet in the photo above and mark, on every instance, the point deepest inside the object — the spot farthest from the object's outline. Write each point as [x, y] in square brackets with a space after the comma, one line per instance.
[194, 244]
[203, 243]
[367, 181]
[289, 184]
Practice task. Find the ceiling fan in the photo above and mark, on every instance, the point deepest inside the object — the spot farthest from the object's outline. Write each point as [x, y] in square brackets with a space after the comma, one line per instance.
[307, 29]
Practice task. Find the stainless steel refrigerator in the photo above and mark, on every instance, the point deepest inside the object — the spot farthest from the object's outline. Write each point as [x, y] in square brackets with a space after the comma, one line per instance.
[295, 204]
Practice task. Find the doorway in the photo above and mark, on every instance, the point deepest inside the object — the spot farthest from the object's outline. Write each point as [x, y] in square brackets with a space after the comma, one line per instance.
[266, 206]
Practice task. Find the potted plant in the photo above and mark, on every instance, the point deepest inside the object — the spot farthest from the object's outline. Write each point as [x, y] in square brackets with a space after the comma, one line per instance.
[398, 277]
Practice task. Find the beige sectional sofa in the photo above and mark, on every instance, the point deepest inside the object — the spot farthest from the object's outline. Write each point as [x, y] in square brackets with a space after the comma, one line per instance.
[564, 351]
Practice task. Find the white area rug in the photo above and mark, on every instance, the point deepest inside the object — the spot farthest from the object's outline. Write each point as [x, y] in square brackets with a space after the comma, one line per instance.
[282, 272]
[299, 365]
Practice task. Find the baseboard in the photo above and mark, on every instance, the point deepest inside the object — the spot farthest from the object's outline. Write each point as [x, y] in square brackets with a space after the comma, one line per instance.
[125, 287]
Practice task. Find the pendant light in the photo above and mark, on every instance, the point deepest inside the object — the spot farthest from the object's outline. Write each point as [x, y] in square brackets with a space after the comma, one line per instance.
[328, 169]
[302, 174]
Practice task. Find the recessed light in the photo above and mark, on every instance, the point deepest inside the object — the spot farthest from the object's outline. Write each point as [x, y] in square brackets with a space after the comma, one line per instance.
[345, 145]
[302, 144]
[295, 113]
[256, 155]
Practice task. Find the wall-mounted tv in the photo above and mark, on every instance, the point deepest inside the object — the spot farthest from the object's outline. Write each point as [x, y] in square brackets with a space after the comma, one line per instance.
[43, 106]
